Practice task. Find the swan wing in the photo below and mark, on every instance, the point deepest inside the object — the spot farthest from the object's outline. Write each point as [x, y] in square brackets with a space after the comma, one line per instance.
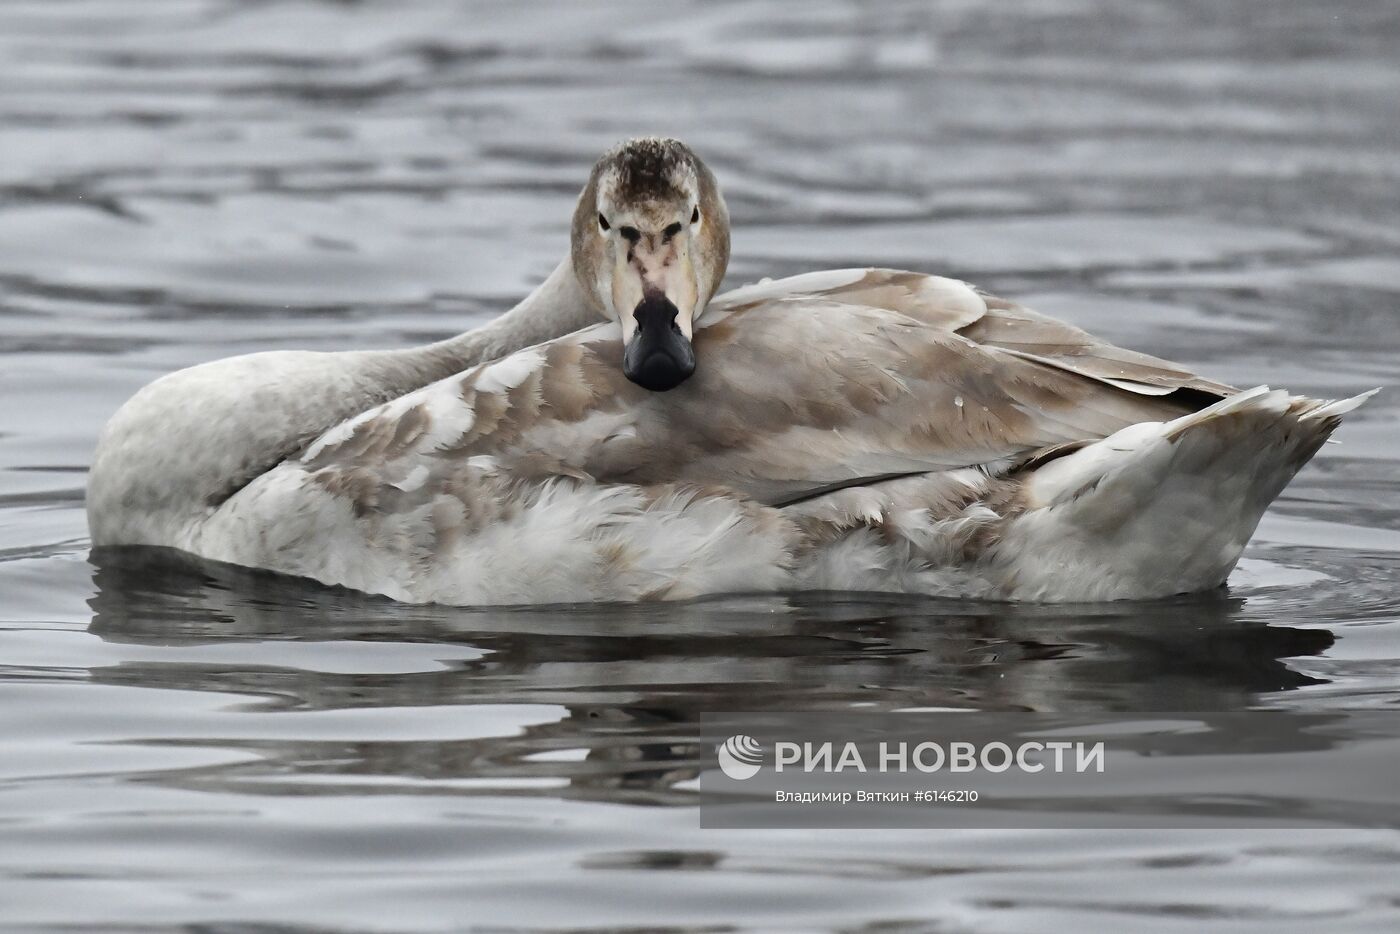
[547, 472]
[799, 390]
[1015, 329]
[985, 319]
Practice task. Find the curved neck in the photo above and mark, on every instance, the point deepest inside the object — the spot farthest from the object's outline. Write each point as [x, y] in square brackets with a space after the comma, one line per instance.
[190, 440]
[556, 307]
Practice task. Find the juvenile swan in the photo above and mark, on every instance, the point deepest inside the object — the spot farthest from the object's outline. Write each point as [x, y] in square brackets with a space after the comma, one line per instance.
[864, 429]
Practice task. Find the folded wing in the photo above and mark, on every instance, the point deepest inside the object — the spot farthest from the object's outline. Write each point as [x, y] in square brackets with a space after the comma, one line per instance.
[803, 385]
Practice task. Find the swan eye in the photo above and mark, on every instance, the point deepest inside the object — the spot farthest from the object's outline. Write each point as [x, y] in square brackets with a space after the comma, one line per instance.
[695, 214]
[630, 234]
[603, 222]
[671, 230]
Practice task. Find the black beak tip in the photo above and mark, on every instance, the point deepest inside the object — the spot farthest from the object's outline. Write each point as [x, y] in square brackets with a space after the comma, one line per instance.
[660, 371]
[659, 357]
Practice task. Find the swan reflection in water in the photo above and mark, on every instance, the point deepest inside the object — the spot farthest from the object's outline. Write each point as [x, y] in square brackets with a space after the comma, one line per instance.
[632, 681]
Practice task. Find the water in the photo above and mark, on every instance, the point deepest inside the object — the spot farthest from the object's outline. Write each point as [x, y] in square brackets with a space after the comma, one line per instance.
[1214, 183]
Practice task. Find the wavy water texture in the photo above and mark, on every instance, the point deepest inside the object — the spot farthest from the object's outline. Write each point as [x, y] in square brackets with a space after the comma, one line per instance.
[1210, 182]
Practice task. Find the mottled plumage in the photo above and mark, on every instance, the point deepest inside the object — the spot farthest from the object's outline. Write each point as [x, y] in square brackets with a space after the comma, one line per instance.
[866, 429]
[547, 476]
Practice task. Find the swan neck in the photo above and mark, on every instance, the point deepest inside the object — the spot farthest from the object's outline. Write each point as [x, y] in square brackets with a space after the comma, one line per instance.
[187, 442]
[556, 307]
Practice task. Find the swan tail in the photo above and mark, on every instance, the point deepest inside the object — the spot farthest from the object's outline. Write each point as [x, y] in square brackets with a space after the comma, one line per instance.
[1160, 508]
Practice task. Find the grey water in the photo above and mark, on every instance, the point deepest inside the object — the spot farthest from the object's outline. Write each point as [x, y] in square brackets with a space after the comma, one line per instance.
[194, 749]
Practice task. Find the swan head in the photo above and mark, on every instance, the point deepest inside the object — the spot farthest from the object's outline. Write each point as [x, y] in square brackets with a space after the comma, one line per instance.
[650, 244]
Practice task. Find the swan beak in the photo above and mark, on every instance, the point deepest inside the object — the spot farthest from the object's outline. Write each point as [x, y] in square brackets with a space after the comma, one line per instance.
[658, 355]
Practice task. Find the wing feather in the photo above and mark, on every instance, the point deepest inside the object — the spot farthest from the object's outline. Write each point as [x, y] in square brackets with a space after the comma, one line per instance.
[803, 385]
[1015, 329]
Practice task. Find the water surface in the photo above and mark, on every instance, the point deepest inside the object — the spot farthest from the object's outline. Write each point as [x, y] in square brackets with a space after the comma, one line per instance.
[181, 181]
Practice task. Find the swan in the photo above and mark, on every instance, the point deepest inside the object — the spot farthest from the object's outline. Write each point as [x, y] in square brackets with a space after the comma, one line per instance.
[857, 429]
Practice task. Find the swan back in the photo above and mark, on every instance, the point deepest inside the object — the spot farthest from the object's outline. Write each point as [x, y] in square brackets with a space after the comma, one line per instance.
[868, 428]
